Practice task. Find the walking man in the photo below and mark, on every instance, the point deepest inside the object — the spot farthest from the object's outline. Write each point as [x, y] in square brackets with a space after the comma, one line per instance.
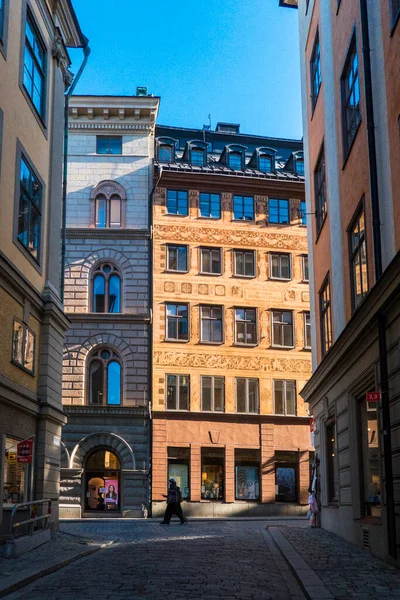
[174, 499]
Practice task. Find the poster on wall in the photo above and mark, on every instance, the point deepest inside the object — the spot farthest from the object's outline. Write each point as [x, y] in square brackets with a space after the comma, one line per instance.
[111, 493]
[181, 475]
[247, 483]
[286, 484]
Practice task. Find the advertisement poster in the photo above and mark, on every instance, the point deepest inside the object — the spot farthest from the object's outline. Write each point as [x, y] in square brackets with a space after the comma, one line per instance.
[286, 484]
[181, 475]
[25, 451]
[111, 493]
[247, 483]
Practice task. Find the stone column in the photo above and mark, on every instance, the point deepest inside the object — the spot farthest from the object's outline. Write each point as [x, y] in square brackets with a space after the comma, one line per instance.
[304, 476]
[195, 472]
[267, 463]
[229, 474]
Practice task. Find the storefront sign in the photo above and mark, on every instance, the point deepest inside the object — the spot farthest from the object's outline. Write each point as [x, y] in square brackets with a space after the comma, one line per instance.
[25, 451]
[373, 396]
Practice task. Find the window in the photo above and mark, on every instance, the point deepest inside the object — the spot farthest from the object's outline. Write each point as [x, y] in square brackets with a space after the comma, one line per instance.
[177, 202]
[212, 473]
[303, 212]
[244, 263]
[1, 18]
[34, 66]
[213, 394]
[315, 72]
[307, 330]
[282, 328]
[358, 259]
[211, 324]
[331, 462]
[108, 211]
[210, 205]
[370, 454]
[325, 316]
[280, 266]
[23, 346]
[265, 163]
[177, 322]
[299, 165]
[235, 161]
[179, 469]
[394, 11]
[165, 153]
[178, 392]
[304, 270]
[243, 208]
[247, 395]
[278, 211]
[197, 156]
[15, 475]
[30, 210]
[286, 476]
[245, 326]
[210, 261]
[105, 376]
[351, 111]
[247, 474]
[320, 190]
[177, 258]
[285, 397]
[109, 144]
[106, 289]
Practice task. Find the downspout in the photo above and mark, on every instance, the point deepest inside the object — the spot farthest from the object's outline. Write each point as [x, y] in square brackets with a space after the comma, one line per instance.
[383, 367]
[150, 341]
[86, 53]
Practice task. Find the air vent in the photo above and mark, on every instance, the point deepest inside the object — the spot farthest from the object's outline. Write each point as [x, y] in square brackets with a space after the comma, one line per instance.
[365, 538]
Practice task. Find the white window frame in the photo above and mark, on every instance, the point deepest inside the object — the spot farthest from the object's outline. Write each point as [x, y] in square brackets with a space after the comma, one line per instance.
[255, 343]
[247, 380]
[177, 387]
[213, 378]
[305, 315]
[285, 381]
[281, 310]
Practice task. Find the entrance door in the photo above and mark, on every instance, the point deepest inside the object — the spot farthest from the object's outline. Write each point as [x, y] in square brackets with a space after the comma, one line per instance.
[102, 477]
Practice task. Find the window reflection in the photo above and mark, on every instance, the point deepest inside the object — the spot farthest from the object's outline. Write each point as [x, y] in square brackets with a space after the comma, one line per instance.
[106, 289]
[105, 378]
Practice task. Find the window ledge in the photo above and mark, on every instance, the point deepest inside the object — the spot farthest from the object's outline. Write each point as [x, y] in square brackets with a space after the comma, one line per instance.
[167, 214]
[17, 364]
[279, 279]
[240, 345]
[201, 218]
[206, 343]
[172, 272]
[277, 347]
[176, 341]
[210, 274]
[244, 276]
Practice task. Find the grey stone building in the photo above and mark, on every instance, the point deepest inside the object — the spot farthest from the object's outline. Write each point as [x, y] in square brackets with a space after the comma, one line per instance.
[106, 442]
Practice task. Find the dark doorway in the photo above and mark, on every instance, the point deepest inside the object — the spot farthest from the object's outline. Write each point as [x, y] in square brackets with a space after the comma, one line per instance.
[102, 482]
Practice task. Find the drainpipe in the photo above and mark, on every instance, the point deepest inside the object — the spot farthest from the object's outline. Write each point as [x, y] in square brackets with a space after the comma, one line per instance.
[86, 53]
[383, 367]
[150, 340]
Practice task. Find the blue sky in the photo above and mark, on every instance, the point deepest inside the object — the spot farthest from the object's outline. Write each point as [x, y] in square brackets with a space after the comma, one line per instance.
[237, 60]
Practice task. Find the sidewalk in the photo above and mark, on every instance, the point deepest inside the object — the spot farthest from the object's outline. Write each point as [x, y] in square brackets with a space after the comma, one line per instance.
[59, 552]
[331, 568]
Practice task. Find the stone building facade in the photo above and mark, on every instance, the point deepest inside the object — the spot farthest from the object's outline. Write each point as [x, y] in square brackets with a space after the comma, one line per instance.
[231, 345]
[106, 361]
[32, 321]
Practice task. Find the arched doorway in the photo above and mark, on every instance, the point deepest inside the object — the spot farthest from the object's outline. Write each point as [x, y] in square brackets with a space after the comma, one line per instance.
[102, 481]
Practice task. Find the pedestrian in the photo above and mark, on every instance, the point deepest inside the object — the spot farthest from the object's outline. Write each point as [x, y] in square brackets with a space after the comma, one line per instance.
[174, 499]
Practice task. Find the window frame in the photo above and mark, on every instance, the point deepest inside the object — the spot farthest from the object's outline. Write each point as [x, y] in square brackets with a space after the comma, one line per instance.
[178, 377]
[279, 209]
[325, 312]
[108, 137]
[247, 380]
[210, 249]
[265, 156]
[26, 329]
[284, 394]
[280, 255]
[193, 151]
[394, 18]
[236, 252]
[4, 29]
[332, 475]
[315, 72]
[234, 154]
[282, 324]
[303, 214]
[352, 51]
[109, 224]
[210, 318]
[353, 253]
[95, 356]
[242, 201]
[246, 321]
[307, 316]
[177, 246]
[177, 214]
[213, 378]
[161, 147]
[209, 200]
[176, 318]
[115, 271]
[304, 258]
[320, 198]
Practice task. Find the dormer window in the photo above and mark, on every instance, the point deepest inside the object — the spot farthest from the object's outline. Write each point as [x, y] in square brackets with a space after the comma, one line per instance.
[265, 163]
[197, 157]
[165, 149]
[299, 163]
[165, 153]
[235, 161]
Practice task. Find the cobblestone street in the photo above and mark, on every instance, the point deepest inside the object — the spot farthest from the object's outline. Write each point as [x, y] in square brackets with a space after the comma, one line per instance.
[215, 559]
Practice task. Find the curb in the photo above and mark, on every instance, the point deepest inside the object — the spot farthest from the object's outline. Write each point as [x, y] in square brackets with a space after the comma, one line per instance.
[191, 519]
[13, 587]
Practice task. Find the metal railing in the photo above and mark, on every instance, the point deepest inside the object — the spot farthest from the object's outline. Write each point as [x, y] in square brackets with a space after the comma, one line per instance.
[33, 519]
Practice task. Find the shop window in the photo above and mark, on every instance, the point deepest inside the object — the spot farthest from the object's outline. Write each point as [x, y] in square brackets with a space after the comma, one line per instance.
[212, 394]
[331, 462]
[106, 289]
[210, 205]
[177, 258]
[369, 421]
[177, 322]
[210, 261]
[102, 473]
[211, 324]
[105, 378]
[247, 474]
[16, 475]
[244, 263]
[278, 211]
[247, 395]
[243, 208]
[358, 258]
[282, 328]
[285, 397]
[23, 347]
[30, 209]
[286, 476]
[178, 391]
[212, 473]
[179, 469]
[111, 144]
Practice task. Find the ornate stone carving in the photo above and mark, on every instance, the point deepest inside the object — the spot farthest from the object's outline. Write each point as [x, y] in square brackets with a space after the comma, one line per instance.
[186, 288]
[214, 436]
[169, 286]
[220, 290]
[305, 296]
[218, 361]
[203, 289]
[228, 237]
[58, 53]
[290, 295]
[237, 291]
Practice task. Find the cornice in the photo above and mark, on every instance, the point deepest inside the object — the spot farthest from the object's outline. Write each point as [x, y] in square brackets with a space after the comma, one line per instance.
[123, 234]
[119, 411]
[112, 126]
[109, 318]
[230, 418]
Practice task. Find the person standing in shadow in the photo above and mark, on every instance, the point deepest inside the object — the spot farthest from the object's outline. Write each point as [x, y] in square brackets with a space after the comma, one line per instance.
[174, 499]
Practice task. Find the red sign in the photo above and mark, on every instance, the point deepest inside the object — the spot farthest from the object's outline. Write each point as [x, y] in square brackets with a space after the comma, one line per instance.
[311, 424]
[25, 451]
[373, 396]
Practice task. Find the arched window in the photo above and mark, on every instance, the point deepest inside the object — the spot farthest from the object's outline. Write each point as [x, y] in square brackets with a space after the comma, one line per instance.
[235, 161]
[265, 163]
[108, 211]
[105, 377]
[165, 153]
[106, 289]
[197, 157]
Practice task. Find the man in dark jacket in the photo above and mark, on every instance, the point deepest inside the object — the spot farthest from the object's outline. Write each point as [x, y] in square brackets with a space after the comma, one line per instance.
[174, 499]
